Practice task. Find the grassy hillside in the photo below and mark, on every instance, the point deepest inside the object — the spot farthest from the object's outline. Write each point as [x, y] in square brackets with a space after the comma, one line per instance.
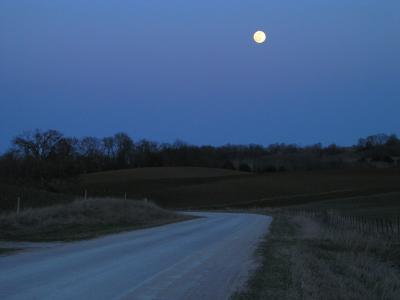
[208, 188]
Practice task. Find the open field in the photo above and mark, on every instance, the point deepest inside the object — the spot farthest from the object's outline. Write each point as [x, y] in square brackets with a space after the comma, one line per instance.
[161, 173]
[83, 219]
[306, 259]
[158, 184]
[240, 189]
[138, 183]
[195, 188]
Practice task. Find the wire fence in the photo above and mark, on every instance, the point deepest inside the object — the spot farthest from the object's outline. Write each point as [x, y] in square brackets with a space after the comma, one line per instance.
[388, 226]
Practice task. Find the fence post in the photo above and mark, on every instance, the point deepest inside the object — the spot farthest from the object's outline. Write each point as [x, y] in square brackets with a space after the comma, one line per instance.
[391, 227]
[18, 204]
[361, 224]
[125, 196]
[85, 195]
[383, 226]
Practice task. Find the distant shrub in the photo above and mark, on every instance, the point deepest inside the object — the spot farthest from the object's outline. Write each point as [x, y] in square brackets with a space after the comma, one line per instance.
[268, 169]
[244, 167]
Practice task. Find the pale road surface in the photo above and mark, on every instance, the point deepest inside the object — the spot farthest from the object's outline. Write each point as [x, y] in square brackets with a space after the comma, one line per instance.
[206, 258]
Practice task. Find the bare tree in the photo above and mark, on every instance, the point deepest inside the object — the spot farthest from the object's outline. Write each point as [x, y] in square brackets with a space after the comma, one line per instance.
[39, 145]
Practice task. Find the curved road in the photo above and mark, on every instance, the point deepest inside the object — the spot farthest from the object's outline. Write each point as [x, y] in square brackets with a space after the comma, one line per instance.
[206, 258]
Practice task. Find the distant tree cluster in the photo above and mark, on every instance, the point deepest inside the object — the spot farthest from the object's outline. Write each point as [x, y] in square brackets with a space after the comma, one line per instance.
[380, 147]
[43, 157]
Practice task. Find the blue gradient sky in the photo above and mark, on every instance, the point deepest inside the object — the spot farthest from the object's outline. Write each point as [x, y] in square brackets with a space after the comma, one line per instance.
[330, 71]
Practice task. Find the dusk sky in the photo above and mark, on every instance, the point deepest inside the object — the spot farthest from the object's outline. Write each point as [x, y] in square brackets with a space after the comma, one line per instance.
[328, 72]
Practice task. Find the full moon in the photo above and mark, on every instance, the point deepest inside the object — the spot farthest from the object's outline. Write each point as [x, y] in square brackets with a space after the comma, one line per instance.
[259, 37]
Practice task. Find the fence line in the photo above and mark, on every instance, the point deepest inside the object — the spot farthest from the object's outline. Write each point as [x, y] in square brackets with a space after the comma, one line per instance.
[385, 226]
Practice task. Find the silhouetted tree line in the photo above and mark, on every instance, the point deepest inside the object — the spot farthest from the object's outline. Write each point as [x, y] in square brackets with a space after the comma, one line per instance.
[47, 156]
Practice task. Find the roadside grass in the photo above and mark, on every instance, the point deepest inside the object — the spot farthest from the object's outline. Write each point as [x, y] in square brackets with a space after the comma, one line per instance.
[83, 219]
[272, 279]
[303, 258]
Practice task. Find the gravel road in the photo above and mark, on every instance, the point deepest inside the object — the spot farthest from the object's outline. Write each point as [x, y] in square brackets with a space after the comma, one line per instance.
[205, 258]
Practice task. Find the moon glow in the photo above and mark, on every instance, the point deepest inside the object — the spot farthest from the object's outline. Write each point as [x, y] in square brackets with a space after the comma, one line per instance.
[259, 37]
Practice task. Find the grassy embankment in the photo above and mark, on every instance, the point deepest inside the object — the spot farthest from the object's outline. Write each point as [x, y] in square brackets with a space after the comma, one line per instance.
[306, 257]
[83, 219]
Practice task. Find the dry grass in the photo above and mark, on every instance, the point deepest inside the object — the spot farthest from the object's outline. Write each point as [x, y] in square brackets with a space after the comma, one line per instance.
[343, 264]
[304, 259]
[82, 219]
